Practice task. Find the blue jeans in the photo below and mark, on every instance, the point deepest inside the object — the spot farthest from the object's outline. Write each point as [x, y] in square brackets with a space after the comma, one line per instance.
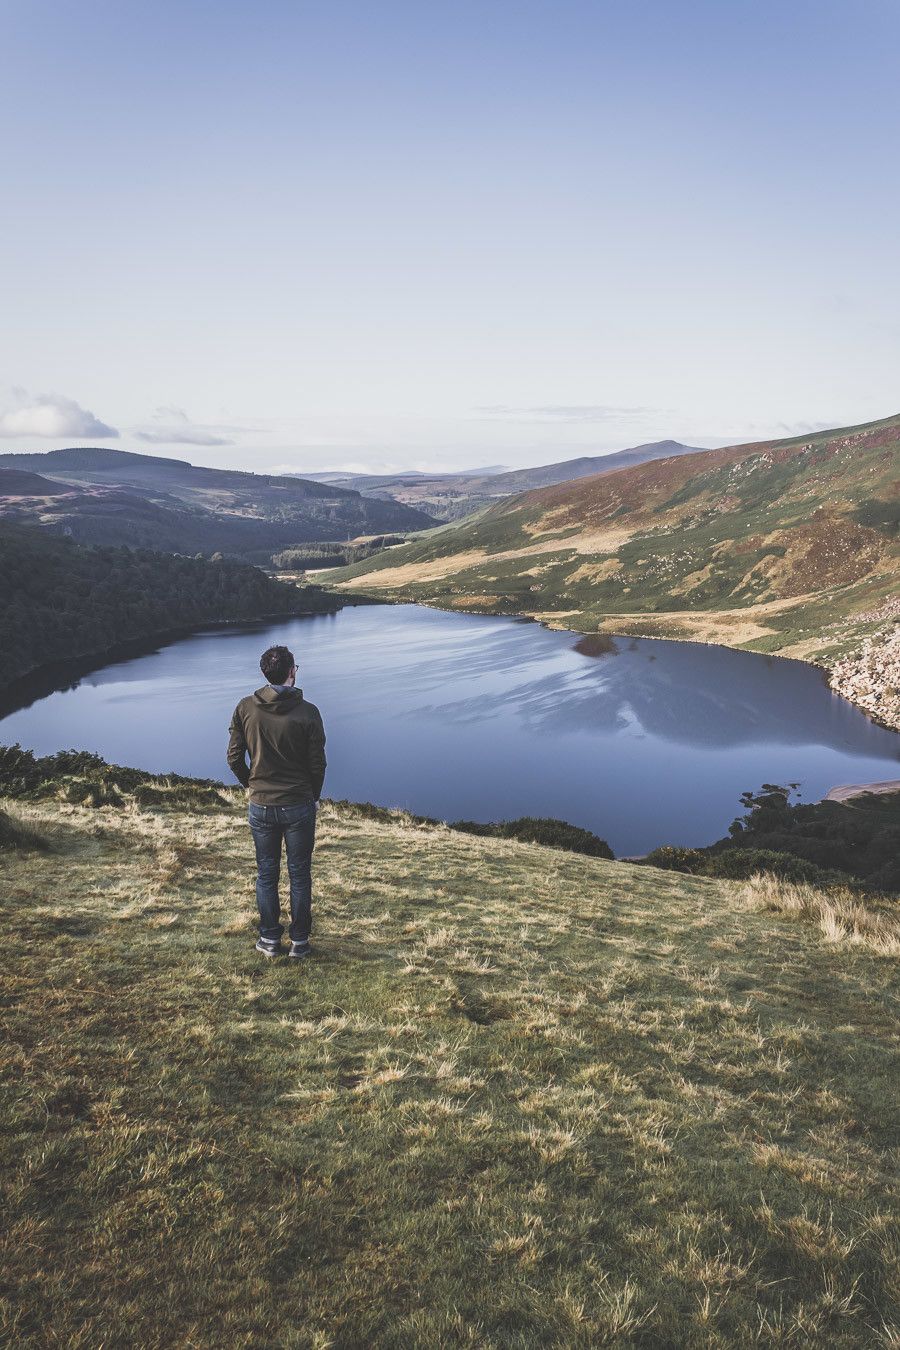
[296, 825]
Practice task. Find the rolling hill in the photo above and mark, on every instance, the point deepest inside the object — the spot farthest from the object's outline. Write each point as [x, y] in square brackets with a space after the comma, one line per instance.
[454, 495]
[787, 546]
[102, 496]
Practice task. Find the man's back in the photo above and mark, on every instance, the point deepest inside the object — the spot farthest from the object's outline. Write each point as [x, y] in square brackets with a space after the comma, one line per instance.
[283, 735]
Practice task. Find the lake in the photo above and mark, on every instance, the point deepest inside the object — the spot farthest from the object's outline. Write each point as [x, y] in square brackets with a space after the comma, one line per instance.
[455, 715]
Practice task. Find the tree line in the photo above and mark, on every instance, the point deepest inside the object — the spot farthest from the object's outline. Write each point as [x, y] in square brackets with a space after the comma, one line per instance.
[304, 557]
[61, 601]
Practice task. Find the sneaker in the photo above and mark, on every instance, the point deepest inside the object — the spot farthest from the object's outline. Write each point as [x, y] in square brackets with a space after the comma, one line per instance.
[300, 949]
[268, 946]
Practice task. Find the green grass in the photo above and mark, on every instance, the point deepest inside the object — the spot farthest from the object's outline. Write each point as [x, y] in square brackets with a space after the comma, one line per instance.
[517, 1098]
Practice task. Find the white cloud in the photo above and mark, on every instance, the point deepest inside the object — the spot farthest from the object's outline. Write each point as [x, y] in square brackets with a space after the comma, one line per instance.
[172, 426]
[51, 416]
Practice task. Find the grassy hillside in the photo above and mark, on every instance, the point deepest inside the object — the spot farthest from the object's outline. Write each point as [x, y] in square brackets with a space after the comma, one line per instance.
[102, 496]
[788, 546]
[517, 1098]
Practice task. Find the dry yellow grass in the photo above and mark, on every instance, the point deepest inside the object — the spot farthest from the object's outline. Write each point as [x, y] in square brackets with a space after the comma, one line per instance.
[589, 542]
[840, 915]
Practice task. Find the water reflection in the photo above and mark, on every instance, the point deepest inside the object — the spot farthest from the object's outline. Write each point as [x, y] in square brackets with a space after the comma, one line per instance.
[685, 693]
[597, 644]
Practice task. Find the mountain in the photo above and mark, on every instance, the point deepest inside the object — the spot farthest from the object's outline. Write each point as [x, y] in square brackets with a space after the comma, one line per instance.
[103, 496]
[523, 480]
[356, 479]
[788, 546]
[450, 496]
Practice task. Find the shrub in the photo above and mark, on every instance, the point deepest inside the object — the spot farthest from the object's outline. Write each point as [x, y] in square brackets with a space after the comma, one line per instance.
[541, 830]
[369, 811]
[822, 852]
[675, 859]
[860, 837]
[738, 864]
[83, 778]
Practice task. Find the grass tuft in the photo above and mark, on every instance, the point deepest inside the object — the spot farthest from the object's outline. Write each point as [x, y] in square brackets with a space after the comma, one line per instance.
[15, 835]
[841, 916]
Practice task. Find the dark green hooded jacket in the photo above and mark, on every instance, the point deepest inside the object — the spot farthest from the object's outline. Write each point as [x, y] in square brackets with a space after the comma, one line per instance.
[285, 740]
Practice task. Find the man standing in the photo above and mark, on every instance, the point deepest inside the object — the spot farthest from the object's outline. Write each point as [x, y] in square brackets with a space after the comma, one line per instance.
[285, 740]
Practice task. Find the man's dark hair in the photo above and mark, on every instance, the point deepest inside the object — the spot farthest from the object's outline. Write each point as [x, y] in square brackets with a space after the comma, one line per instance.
[276, 664]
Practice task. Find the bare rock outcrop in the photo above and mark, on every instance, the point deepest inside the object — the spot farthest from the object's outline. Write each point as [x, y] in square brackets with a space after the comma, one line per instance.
[870, 678]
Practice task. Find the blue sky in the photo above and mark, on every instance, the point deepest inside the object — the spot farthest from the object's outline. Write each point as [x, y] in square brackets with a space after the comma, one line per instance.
[394, 234]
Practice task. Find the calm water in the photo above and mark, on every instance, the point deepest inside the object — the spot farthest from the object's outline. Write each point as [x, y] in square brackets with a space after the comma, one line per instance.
[454, 715]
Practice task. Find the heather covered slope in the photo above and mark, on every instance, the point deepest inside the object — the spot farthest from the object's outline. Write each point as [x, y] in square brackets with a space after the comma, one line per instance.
[788, 546]
[102, 496]
[517, 1098]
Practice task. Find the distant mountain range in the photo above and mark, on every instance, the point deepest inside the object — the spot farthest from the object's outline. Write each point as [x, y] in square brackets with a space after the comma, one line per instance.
[100, 496]
[790, 546]
[347, 476]
[450, 496]
[96, 495]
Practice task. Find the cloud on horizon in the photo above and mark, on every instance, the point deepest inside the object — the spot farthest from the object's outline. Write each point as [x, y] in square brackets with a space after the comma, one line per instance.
[172, 426]
[51, 416]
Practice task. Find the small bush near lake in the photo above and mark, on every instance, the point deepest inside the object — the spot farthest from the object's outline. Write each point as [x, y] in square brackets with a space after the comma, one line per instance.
[860, 837]
[675, 859]
[541, 830]
[740, 863]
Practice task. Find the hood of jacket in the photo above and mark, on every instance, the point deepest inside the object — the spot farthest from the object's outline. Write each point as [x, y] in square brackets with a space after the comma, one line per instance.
[277, 700]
